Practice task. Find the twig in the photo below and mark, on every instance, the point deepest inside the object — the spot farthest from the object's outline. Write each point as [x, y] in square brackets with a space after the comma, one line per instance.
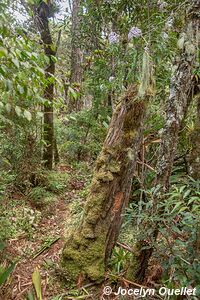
[87, 285]
[140, 286]
[78, 297]
[148, 166]
[134, 283]
[58, 42]
[45, 247]
[126, 247]
[21, 293]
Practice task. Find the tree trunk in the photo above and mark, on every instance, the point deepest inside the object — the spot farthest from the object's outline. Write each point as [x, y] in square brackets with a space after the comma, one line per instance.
[56, 153]
[76, 55]
[42, 14]
[194, 156]
[183, 87]
[88, 248]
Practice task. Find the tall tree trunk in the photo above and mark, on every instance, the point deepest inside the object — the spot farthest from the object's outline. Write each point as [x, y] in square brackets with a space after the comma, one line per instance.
[76, 55]
[194, 156]
[88, 248]
[42, 13]
[183, 87]
[56, 153]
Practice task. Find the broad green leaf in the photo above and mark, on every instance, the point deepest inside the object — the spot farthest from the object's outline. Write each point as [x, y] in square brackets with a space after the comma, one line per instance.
[176, 206]
[2, 245]
[8, 107]
[73, 93]
[186, 194]
[30, 296]
[59, 297]
[182, 188]
[40, 114]
[47, 60]
[6, 273]
[35, 55]
[27, 115]
[105, 124]
[2, 70]
[15, 62]
[18, 111]
[40, 70]
[8, 84]
[54, 59]
[3, 52]
[192, 199]
[20, 89]
[183, 209]
[36, 278]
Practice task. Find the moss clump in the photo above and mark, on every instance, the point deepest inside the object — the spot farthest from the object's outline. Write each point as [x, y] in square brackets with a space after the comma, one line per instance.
[102, 159]
[114, 167]
[84, 257]
[104, 176]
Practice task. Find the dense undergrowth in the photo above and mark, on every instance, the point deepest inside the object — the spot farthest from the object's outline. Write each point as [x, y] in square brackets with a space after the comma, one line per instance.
[40, 207]
[24, 206]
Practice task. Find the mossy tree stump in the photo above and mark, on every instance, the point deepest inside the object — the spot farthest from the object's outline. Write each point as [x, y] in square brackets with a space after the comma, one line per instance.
[87, 250]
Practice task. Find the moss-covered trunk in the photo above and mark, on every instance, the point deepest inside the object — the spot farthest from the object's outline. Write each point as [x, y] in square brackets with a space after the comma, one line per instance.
[88, 249]
[182, 89]
[42, 14]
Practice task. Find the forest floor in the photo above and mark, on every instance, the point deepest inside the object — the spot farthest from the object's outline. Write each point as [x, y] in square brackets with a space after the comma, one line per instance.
[36, 231]
[40, 237]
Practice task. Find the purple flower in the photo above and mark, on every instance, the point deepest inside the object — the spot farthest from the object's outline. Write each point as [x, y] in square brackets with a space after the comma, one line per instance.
[134, 32]
[165, 35]
[161, 4]
[111, 78]
[169, 23]
[113, 38]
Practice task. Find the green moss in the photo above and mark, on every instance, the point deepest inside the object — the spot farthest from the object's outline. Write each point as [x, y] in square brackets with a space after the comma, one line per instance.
[114, 167]
[133, 266]
[86, 260]
[88, 232]
[102, 159]
[95, 185]
[104, 176]
[96, 272]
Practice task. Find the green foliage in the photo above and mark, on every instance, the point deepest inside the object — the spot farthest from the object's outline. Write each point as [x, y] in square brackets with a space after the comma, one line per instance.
[40, 197]
[37, 282]
[18, 220]
[56, 182]
[22, 86]
[181, 219]
[81, 134]
[178, 216]
[5, 271]
[107, 69]
[119, 260]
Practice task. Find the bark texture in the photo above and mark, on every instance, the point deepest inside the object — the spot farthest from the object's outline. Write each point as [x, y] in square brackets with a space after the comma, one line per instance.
[194, 156]
[88, 249]
[42, 14]
[76, 55]
[183, 87]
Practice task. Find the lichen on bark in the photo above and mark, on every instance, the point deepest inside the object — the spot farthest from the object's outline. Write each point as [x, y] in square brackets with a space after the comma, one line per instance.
[183, 87]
